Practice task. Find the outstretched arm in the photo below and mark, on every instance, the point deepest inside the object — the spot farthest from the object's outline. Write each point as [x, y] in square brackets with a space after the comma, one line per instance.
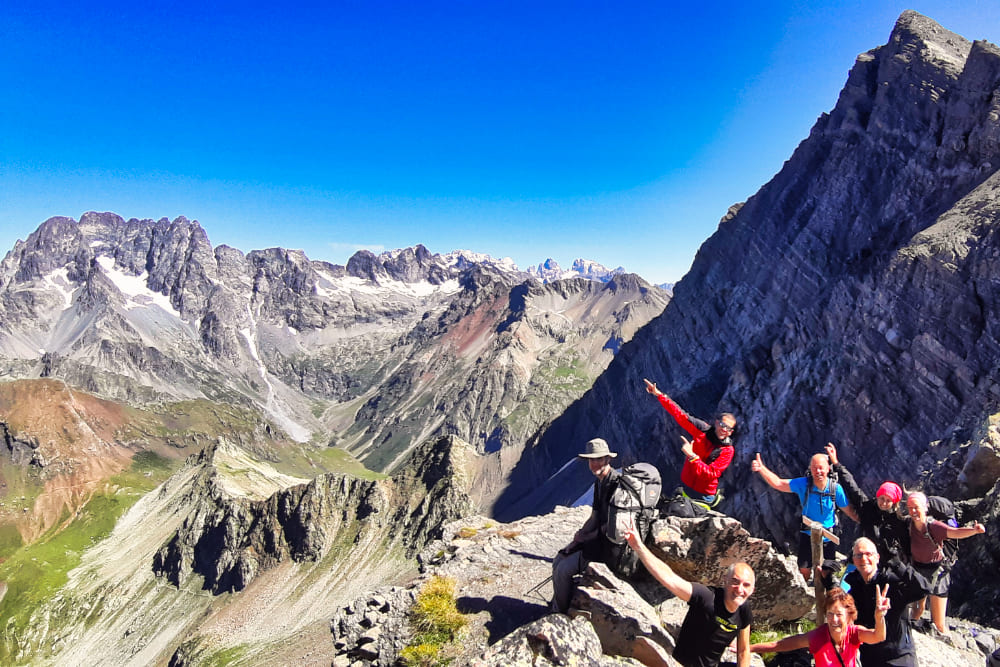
[784, 644]
[661, 571]
[851, 512]
[775, 482]
[962, 533]
[743, 648]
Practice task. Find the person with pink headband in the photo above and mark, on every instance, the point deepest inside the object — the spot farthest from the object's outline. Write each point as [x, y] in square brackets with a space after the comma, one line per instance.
[878, 517]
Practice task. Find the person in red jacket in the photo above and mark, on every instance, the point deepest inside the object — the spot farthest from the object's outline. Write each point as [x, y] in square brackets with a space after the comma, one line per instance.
[707, 455]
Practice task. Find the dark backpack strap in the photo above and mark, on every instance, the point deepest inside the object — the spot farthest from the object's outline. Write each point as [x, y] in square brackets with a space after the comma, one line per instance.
[834, 645]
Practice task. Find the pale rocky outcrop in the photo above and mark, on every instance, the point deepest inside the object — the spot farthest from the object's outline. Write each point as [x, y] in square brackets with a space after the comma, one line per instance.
[702, 549]
[553, 640]
[501, 573]
[230, 538]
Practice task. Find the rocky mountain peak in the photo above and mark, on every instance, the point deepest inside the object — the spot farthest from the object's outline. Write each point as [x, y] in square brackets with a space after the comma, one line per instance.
[916, 36]
[550, 271]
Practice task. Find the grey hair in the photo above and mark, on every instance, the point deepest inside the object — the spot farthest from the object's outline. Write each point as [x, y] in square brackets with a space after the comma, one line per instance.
[862, 539]
[731, 570]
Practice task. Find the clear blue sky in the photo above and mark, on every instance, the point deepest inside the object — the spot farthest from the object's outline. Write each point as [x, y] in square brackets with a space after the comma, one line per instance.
[619, 132]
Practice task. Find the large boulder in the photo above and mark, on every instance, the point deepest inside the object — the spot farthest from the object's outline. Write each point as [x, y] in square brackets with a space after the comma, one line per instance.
[701, 550]
[553, 640]
[617, 613]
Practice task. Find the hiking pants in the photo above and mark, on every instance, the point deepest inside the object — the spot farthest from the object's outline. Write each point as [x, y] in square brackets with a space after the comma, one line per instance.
[564, 568]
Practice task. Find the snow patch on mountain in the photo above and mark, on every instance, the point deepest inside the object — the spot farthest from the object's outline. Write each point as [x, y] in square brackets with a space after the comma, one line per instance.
[134, 287]
[459, 259]
[550, 271]
[59, 282]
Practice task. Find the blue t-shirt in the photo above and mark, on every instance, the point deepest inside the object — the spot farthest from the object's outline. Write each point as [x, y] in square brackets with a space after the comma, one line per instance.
[820, 506]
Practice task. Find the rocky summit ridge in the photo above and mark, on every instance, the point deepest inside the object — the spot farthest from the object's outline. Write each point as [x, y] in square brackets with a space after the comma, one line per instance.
[500, 574]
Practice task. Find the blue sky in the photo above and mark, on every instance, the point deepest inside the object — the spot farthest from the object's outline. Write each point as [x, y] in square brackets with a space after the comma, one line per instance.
[619, 132]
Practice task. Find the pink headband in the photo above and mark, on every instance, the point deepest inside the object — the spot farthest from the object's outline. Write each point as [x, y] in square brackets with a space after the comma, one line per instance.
[892, 490]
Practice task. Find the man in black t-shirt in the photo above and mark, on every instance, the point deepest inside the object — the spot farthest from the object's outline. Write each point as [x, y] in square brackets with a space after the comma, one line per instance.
[715, 615]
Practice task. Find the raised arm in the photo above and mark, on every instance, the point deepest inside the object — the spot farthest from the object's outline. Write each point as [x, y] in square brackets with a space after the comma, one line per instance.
[854, 493]
[775, 482]
[687, 422]
[660, 570]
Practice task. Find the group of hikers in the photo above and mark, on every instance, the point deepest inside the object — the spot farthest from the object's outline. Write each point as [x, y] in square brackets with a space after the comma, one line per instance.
[898, 562]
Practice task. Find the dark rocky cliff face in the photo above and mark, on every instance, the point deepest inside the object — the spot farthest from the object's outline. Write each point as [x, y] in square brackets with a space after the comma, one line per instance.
[852, 299]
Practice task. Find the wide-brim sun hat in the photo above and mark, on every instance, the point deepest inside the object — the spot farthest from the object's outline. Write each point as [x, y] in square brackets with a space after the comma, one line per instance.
[595, 449]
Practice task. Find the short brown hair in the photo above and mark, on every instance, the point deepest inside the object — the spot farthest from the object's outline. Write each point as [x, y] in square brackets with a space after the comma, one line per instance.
[839, 596]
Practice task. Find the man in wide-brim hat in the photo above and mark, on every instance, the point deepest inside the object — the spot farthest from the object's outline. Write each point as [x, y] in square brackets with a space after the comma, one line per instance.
[590, 542]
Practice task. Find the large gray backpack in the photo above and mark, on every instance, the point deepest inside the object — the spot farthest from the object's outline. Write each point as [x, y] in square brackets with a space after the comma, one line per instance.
[633, 503]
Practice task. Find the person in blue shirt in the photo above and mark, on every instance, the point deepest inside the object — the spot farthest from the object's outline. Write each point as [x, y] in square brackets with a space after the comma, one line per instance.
[819, 496]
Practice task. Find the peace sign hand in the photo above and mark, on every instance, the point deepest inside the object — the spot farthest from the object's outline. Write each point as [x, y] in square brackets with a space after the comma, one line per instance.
[881, 599]
[632, 535]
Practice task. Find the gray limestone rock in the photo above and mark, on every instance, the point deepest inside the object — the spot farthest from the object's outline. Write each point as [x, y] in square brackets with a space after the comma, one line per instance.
[702, 549]
[553, 640]
[618, 614]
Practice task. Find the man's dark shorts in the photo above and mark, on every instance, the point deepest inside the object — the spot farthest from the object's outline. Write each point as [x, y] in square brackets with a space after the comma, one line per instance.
[805, 556]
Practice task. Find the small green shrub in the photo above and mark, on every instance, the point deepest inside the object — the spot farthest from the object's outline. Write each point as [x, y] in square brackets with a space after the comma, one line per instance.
[420, 655]
[437, 622]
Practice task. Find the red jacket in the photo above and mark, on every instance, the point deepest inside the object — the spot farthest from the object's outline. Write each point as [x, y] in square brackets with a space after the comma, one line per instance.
[700, 476]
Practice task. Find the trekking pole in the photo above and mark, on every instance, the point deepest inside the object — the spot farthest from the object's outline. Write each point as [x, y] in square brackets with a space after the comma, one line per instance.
[535, 589]
[816, 534]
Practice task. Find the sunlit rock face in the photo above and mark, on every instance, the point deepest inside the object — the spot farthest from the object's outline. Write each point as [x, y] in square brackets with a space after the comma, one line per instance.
[851, 300]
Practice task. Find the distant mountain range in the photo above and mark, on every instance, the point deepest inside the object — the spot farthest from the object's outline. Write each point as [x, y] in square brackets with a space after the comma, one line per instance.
[375, 356]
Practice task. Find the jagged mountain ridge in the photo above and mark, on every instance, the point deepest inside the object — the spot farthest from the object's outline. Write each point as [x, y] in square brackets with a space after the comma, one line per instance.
[144, 311]
[852, 299]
